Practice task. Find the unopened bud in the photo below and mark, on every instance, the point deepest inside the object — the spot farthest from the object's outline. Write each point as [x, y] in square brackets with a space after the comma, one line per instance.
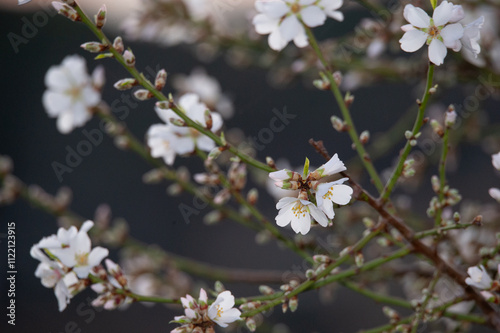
[433, 90]
[100, 18]
[413, 143]
[208, 119]
[348, 99]
[266, 290]
[337, 124]
[392, 314]
[437, 128]
[251, 324]
[219, 287]
[118, 44]
[174, 190]
[364, 137]
[66, 10]
[368, 222]
[321, 259]
[337, 76]
[213, 217]
[93, 47]
[222, 197]
[177, 122]
[122, 142]
[125, 84]
[450, 117]
[408, 135]
[161, 79]
[310, 274]
[253, 196]
[270, 162]
[284, 307]
[129, 58]
[456, 217]
[153, 176]
[142, 94]
[293, 303]
[321, 84]
[384, 242]
[359, 259]
[223, 139]
[478, 220]
[436, 184]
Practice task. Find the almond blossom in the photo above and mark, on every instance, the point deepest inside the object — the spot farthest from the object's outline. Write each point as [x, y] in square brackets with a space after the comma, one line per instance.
[222, 311]
[478, 277]
[299, 213]
[439, 32]
[472, 34]
[334, 192]
[175, 138]
[283, 19]
[71, 93]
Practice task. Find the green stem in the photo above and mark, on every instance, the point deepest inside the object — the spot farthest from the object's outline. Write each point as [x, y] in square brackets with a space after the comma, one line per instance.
[442, 177]
[419, 315]
[438, 231]
[389, 187]
[351, 129]
[161, 97]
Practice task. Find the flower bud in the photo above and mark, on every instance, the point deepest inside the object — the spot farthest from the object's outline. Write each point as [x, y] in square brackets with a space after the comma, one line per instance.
[253, 196]
[266, 290]
[142, 94]
[284, 307]
[437, 128]
[129, 58]
[222, 197]
[93, 47]
[436, 184]
[161, 79]
[359, 259]
[364, 137]
[270, 162]
[408, 135]
[337, 124]
[321, 259]
[348, 99]
[251, 324]
[293, 303]
[118, 44]
[66, 10]
[125, 84]
[100, 18]
[219, 287]
[337, 76]
[450, 117]
[213, 217]
[368, 222]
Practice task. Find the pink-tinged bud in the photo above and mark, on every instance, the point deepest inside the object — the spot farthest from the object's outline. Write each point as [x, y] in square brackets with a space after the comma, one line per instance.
[270, 162]
[100, 18]
[125, 84]
[142, 94]
[208, 120]
[161, 79]
[364, 137]
[253, 196]
[237, 175]
[251, 324]
[118, 44]
[450, 117]
[93, 47]
[337, 76]
[222, 197]
[129, 58]
[177, 122]
[98, 77]
[293, 303]
[66, 10]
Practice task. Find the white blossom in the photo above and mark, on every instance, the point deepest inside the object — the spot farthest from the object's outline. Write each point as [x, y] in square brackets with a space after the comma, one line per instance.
[71, 93]
[494, 193]
[222, 311]
[299, 213]
[439, 32]
[334, 192]
[169, 140]
[478, 277]
[283, 19]
[472, 34]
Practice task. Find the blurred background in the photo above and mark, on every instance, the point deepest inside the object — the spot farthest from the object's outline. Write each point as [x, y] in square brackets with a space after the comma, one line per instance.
[34, 38]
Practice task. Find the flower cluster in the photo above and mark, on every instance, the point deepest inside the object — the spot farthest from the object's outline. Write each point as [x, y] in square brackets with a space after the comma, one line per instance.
[174, 137]
[200, 318]
[66, 259]
[72, 93]
[112, 280]
[284, 20]
[299, 210]
[440, 32]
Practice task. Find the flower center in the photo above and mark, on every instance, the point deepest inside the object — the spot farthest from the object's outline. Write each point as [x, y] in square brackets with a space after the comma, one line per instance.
[295, 8]
[81, 259]
[299, 209]
[219, 311]
[434, 32]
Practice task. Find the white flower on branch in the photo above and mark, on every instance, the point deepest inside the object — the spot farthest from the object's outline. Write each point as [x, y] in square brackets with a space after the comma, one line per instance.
[439, 32]
[478, 277]
[335, 192]
[71, 93]
[283, 19]
[222, 311]
[495, 160]
[175, 138]
[298, 212]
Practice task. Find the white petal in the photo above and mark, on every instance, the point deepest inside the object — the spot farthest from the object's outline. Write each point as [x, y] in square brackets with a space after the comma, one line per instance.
[318, 215]
[55, 102]
[313, 16]
[416, 16]
[285, 201]
[301, 224]
[301, 40]
[65, 122]
[452, 33]
[290, 28]
[437, 52]
[276, 41]
[413, 40]
[457, 14]
[341, 194]
[273, 8]
[264, 24]
[97, 254]
[443, 13]
[205, 143]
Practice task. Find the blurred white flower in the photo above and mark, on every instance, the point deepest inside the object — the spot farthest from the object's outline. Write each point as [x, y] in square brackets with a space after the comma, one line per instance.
[208, 89]
[283, 19]
[173, 139]
[472, 34]
[439, 32]
[222, 311]
[495, 160]
[495, 193]
[478, 277]
[71, 93]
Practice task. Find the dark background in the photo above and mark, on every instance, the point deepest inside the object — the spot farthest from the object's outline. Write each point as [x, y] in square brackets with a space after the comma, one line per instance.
[112, 176]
